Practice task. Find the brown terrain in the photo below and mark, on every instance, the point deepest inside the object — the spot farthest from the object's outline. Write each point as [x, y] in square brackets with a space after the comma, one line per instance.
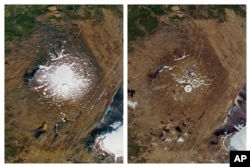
[100, 36]
[170, 125]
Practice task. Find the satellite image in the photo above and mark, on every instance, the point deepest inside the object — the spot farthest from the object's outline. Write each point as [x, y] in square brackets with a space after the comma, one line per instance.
[63, 84]
[186, 83]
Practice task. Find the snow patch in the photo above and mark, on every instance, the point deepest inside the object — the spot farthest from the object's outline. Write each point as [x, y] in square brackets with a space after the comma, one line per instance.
[180, 140]
[116, 125]
[64, 77]
[132, 104]
[112, 142]
[182, 57]
[168, 140]
[166, 68]
[238, 140]
[154, 144]
[191, 79]
[188, 88]
[62, 81]
[57, 55]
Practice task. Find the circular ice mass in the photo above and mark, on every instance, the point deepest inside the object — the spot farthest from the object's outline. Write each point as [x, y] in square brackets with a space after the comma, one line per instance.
[64, 77]
[188, 88]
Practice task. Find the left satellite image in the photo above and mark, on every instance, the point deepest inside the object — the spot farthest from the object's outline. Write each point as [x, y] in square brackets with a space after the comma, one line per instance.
[63, 84]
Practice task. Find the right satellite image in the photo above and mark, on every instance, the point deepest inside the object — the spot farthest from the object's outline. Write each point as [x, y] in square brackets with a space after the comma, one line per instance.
[186, 83]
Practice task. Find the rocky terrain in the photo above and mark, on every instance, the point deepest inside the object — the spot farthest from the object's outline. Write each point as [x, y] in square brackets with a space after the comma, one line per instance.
[186, 69]
[31, 121]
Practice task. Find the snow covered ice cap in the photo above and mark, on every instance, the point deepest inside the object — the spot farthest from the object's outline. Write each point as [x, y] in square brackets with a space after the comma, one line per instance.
[65, 77]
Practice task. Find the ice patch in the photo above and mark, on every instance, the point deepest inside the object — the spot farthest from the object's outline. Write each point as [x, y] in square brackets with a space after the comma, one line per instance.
[116, 125]
[132, 104]
[238, 140]
[58, 55]
[238, 127]
[192, 79]
[166, 68]
[168, 140]
[188, 88]
[182, 57]
[62, 81]
[180, 140]
[65, 77]
[112, 142]
[154, 144]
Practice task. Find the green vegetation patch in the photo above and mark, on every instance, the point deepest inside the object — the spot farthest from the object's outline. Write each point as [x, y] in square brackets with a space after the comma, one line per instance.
[157, 9]
[72, 7]
[149, 22]
[143, 20]
[20, 20]
[216, 12]
[17, 26]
